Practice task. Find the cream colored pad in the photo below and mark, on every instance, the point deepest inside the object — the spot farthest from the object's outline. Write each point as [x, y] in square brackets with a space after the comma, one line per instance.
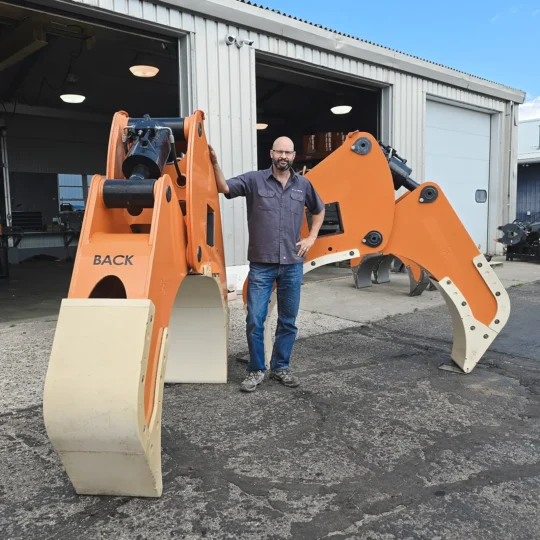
[472, 338]
[199, 332]
[93, 401]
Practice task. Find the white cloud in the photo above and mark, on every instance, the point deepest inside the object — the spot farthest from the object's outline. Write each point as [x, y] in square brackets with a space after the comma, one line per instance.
[494, 19]
[537, 12]
[530, 110]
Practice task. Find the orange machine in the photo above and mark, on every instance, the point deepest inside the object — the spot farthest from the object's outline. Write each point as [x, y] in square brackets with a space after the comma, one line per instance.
[147, 304]
[148, 298]
[359, 180]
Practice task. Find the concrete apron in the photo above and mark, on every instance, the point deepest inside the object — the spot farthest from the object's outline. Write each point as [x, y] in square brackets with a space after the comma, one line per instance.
[330, 291]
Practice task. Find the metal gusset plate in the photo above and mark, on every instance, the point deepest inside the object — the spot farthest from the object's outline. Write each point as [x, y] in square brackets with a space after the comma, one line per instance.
[381, 270]
[362, 272]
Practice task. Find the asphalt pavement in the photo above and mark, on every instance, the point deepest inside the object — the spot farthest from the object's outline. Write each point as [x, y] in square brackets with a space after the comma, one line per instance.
[378, 444]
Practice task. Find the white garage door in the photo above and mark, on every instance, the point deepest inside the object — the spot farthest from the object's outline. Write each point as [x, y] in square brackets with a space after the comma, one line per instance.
[457, 158]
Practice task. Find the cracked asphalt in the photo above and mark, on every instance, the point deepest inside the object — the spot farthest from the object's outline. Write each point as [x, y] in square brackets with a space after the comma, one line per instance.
[377, 444]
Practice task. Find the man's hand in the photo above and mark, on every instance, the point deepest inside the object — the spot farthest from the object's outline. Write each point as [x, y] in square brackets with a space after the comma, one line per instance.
[305, 245]
[213, 155]
[221, 183]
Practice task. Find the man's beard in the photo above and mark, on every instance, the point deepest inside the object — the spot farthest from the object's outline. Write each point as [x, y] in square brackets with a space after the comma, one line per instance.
[282, 166]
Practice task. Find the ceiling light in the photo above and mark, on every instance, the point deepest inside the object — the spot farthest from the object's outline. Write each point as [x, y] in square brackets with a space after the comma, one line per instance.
[71, 91]
[340, 105]
[72, 98]
[341, 109]
[144, 71]
[262, 126]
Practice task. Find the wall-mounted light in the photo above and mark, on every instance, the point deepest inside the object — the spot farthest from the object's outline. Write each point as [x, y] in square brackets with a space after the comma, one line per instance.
[261, 125]
[71, 93]
[340, 105]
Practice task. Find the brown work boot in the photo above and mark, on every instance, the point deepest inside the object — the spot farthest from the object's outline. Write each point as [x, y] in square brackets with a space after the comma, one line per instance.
[285, 377]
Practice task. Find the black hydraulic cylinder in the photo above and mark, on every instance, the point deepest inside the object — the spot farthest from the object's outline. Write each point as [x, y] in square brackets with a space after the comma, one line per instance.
[131, 193]
[175, 124]
[400, 174]
[151, 150]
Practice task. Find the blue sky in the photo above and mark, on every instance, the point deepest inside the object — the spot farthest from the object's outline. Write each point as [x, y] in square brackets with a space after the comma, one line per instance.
[495, 40]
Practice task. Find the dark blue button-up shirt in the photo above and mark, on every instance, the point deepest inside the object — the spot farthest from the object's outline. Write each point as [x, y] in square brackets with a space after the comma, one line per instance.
[274, 214]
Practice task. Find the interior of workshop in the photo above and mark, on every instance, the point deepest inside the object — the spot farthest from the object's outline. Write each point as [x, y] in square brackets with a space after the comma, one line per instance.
[63, 78]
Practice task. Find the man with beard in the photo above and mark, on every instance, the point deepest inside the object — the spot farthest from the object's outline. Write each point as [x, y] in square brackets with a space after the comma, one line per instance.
[275, 200]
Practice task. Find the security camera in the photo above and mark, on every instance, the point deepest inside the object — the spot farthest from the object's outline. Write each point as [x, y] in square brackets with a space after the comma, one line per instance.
[241, 42]
[230, 39]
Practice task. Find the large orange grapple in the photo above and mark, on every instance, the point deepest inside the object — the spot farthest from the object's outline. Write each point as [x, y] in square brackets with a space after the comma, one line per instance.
[147, 303]
[148, 296]
[420, 228]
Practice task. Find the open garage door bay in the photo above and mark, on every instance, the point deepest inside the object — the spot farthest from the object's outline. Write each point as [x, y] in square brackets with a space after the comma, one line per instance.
[457, 158]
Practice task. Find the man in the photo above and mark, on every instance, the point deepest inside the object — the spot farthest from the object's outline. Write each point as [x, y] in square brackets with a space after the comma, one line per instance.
[275, 200]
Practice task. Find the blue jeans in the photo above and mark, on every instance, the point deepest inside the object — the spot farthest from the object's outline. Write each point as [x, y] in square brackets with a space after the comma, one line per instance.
[261, 279]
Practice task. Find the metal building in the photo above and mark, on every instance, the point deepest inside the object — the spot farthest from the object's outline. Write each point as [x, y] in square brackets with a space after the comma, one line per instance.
[528, 177]
[234, 58]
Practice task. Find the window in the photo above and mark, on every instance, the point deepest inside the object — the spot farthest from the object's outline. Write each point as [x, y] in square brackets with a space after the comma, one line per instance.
[480, 196]
[70, 190]
[73, 190]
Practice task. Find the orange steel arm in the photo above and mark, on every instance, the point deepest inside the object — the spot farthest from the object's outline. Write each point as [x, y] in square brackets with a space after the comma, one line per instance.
[420, 227]
[170, 246]
[151, 258]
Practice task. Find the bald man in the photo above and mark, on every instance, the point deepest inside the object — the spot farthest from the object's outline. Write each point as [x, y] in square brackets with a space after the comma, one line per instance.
[275, 198]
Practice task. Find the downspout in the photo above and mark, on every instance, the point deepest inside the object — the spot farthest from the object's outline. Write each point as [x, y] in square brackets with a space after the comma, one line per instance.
[510, 150]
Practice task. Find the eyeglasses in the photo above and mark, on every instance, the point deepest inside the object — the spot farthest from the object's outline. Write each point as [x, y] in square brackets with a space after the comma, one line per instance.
[284, 152]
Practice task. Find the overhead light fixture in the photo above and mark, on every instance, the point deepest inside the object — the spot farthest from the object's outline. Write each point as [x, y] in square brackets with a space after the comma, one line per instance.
[144, 65]
[144, 71]
[72, 98]
[341, 109]
[71, 93]
[340, 105]
[262, 125]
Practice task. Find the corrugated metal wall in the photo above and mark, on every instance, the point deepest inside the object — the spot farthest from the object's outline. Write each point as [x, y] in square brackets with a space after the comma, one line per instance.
[529, 140]
[528, 191]
[224, 87]
[33, 144]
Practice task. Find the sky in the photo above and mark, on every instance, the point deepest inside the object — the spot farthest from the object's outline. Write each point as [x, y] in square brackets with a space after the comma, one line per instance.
[493, 39]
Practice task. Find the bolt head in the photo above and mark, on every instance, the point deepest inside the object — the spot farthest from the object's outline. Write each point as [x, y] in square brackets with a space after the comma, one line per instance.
[364, 240]
[479, 265]
[473, 327]
[448, 282]
[463, 303]
[485, 336]
[421, 200]
[497, 321]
